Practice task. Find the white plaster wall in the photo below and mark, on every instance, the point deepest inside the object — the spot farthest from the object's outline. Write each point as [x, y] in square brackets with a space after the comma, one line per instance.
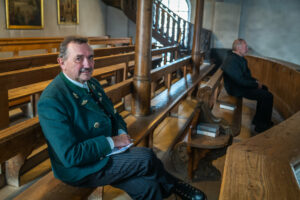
[208, 13]
[272, 28]
[117, 22]
[225, 24]
[118, 25]
[92, 14]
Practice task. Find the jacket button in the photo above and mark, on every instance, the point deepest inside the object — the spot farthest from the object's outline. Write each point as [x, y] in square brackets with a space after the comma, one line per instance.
[84, 102]
[96, 125]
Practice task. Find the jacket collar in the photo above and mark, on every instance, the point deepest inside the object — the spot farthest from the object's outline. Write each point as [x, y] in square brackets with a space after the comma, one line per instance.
[81, 95]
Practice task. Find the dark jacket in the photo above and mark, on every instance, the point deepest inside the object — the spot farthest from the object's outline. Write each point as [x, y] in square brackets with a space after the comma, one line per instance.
[76, 128]
[237, 76]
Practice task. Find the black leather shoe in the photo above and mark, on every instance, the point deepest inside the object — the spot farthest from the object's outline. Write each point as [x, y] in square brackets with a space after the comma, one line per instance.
[188, 192]
[263, 127]
[254, 121]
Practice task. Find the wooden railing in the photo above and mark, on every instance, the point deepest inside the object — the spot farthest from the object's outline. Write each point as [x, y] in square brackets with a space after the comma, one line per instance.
[167, 27]
[171, 27]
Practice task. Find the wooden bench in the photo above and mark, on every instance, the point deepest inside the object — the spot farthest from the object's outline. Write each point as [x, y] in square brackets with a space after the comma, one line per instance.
[140, 128]
[22, 83]
[23, 62]
[263, 166]
[49, 44]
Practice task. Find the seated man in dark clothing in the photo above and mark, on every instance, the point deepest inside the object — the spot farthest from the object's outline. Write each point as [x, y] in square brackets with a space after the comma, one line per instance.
[82, 127]
[239, 82]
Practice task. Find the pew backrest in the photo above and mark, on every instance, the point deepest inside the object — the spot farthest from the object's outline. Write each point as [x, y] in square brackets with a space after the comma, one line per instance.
[23, 62]
[52, 44]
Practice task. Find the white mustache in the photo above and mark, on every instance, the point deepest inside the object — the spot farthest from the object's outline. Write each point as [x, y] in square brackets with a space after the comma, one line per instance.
[86, 70]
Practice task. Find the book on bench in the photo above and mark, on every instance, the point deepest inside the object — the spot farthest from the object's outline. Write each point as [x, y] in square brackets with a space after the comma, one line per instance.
[208, 129]
[227, 106]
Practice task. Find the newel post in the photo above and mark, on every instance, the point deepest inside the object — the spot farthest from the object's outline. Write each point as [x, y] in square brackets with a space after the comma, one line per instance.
[196, 50]
[141, 79]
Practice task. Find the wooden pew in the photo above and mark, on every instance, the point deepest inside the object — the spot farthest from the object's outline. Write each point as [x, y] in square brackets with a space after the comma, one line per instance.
[263, 166]
[23, 62]
[212, 94]
[22, 83]
[140, 129]
[229, 123]
[20, 44]
[127, 58]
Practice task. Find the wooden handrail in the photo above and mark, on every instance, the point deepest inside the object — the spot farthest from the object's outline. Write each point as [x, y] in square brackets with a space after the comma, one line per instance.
[157, 73]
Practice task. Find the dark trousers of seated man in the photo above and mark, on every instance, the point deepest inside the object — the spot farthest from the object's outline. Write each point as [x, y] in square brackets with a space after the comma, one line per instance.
[264, 106]
[137, 171]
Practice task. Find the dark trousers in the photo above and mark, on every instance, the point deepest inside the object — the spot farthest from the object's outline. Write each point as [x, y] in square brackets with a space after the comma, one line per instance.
[137, 171]
[264, 104]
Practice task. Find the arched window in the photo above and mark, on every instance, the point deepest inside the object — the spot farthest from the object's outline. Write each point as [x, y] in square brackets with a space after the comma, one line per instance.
[180, 7]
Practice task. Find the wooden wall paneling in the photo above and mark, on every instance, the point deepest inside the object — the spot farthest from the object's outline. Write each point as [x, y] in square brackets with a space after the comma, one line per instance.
[282, 80]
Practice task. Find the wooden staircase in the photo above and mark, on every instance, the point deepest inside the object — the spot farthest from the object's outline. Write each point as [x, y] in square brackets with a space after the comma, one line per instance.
[168, 28]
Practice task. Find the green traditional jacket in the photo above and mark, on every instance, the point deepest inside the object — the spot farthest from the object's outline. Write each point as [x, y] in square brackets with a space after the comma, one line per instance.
[75, 128]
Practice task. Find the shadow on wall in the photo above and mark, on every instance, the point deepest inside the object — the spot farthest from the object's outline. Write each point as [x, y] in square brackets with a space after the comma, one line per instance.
[218, 55]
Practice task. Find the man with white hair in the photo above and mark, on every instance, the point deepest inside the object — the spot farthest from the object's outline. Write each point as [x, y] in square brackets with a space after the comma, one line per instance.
[239, 82]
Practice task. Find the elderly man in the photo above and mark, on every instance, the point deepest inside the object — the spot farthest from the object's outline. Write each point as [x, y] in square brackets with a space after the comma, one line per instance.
[239, 82]
[81, 128]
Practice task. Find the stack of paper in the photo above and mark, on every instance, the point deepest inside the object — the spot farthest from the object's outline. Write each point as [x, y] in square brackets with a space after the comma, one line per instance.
[208, 129]
[227, 106]
[121, 150]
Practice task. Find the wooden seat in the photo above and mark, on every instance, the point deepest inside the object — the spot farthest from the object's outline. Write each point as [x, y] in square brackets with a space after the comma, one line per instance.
[233, 118]
[207, 142]
[261, 167]
[49, 187]
[193, 142]
[207, 95]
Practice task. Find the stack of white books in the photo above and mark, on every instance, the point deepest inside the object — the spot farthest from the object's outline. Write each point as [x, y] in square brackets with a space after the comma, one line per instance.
[227, 106]
[208, 129]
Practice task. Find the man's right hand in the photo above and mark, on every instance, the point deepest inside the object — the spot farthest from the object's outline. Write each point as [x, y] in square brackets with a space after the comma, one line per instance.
[259, 85]
[121, 140]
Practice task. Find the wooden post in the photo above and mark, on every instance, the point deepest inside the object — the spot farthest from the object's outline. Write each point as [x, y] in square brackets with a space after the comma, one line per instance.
[4, 114]
[141, 79]
[196, 52]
